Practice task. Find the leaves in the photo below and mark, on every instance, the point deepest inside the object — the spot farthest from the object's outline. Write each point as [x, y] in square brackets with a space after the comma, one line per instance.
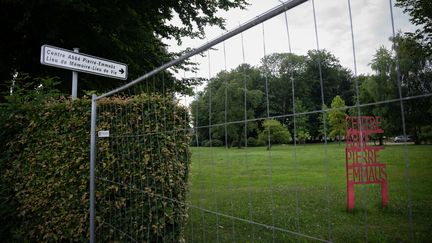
[421, 15]
[127, 31]
[337, 116]
[278, 133]
[45, 168]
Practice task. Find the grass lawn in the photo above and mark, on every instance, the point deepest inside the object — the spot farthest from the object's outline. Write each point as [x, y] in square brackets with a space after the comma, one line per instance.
[305, 195]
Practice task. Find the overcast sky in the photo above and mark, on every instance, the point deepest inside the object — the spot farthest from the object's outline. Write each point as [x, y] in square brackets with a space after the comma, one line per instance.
[371, 24]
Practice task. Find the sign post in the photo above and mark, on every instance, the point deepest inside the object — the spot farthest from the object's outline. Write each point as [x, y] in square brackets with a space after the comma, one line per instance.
[75, 80]
[80, 62]
[363, 165]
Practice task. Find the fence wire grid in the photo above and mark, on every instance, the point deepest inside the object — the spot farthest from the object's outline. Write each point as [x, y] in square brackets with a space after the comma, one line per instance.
[262, 192]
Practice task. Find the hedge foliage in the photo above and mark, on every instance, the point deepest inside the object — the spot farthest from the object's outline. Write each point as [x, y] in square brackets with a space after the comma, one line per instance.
[142, 170]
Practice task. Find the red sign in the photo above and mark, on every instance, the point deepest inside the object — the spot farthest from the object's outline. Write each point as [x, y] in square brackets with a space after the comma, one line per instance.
[363, 164]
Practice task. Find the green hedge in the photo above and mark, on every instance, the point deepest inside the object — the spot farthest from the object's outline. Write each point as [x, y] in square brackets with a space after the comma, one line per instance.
[142, 170]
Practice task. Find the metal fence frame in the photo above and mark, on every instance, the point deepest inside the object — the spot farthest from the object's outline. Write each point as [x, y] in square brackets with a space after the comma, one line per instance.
[256, 21]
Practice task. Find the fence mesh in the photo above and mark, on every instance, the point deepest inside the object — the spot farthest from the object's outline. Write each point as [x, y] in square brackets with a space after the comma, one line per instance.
[264, 166]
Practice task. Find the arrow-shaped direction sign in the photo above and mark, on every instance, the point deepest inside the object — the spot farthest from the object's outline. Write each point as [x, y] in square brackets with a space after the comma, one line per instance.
[62, 58]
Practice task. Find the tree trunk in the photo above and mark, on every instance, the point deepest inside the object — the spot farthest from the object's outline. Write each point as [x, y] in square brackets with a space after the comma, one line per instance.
[269, 146]
[416, 138]
[239, 142]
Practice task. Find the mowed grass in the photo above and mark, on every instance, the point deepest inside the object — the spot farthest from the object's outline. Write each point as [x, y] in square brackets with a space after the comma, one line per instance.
[303, 191]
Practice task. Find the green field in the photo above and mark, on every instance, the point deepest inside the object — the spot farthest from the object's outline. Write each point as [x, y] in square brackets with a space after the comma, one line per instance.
[301, 195]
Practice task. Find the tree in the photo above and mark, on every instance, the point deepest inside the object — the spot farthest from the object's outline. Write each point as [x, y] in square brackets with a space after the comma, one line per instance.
[415, 70]
[415, 73]
[126, 31]
[321, 117]
[421, 15]
[228, 92]
[382, 86]
[336, 79]
[282, 70]
[337, 116]
[286, 70]
[278, 133]
[302, 123]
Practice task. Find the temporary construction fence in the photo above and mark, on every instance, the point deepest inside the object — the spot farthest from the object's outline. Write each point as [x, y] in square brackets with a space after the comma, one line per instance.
[145, 185]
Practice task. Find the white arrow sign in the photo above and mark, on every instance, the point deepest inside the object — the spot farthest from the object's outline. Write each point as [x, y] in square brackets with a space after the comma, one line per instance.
[62, 58]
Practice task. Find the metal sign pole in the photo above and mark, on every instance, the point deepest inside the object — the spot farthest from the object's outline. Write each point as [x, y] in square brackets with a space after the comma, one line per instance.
[75, 80]
[92, 168]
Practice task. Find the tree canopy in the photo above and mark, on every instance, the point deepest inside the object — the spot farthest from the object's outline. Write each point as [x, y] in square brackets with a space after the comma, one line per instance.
[411, 65]
[420, 12]
[239, 95]
[229, 97]
[125, 31]
[294, 86]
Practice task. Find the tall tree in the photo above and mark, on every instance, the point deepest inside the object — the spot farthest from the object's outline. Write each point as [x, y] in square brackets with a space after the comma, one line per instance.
[380, 87]
[233, 96]
[336, 80]
[414, 74]
[126, 31]
[282, 70]
[414, 53]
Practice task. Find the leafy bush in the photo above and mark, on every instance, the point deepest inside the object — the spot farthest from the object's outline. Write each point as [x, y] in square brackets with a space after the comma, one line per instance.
[302, 136]
[45, 169]
[278, 133]
[12, 122]
[252, 142]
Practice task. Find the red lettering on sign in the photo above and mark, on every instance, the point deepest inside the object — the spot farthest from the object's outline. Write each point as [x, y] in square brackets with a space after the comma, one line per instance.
[362, 160]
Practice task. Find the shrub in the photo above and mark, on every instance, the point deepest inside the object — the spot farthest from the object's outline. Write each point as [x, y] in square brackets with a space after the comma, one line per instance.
[302, 136]
[278, 133]
[217, 143]
[252, 142]
[45, 164]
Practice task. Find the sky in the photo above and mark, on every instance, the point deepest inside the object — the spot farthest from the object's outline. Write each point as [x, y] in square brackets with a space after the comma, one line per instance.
[371, 24]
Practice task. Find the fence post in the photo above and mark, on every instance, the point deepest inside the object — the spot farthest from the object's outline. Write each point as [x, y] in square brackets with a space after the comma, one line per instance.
[92, 167]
